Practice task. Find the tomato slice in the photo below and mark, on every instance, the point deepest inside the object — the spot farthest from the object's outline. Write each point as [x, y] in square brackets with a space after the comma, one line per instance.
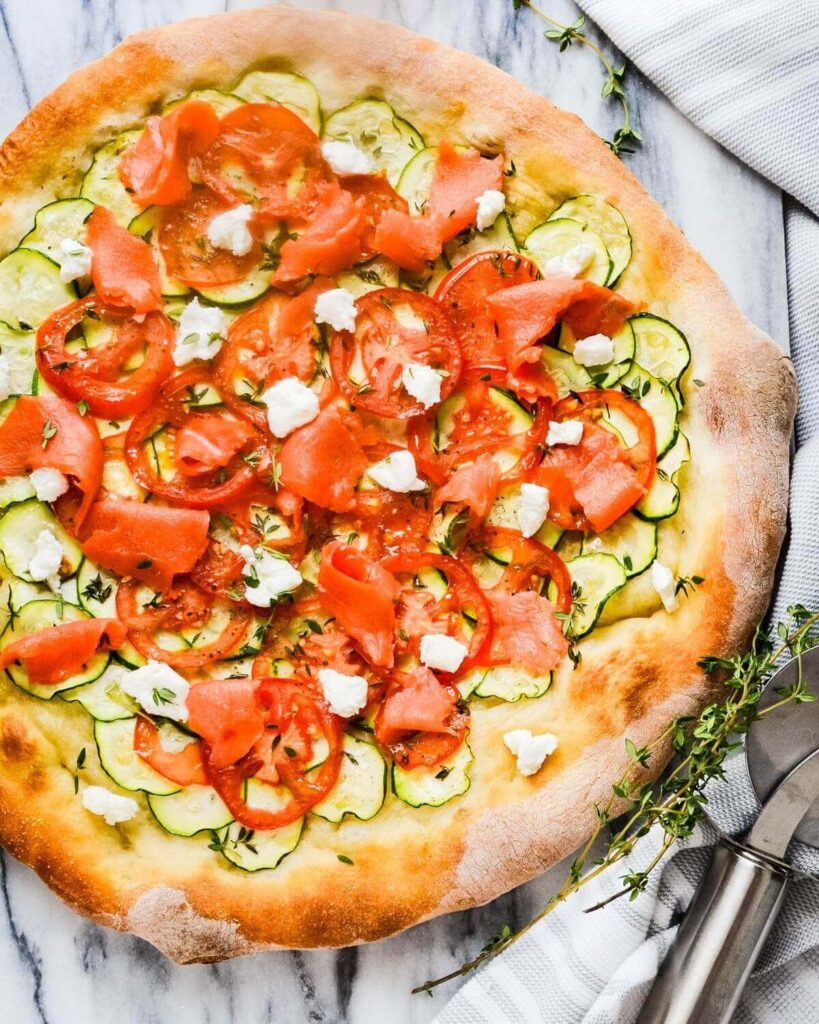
[146, 541]
[122, 266]
[394, 327]
[274, 339]
[611, 478]
[323, 461]
[480, 425]
[98, 376]
[360, 594]
[228, 716]
[186, 767]
[184, 606]
[392, 522]
[188, 253]
[58, 652]
[71, 444]
[267, 156]
[465, 292]
[330, 240]
[293, 710]
[174, 408]
[461, 611]
[422, 721]
[155, 168]
[460, 177]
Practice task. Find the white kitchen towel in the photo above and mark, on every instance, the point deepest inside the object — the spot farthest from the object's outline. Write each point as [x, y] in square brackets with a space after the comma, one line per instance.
[746, 72]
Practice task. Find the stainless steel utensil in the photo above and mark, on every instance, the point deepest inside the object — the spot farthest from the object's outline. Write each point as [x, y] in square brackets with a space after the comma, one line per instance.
[741, 893]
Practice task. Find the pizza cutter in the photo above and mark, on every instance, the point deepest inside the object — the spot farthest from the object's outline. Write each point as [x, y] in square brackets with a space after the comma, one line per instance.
[739, 897]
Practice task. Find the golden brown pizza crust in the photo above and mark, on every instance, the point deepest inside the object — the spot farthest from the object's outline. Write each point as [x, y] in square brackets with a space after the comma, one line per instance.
[636, 674]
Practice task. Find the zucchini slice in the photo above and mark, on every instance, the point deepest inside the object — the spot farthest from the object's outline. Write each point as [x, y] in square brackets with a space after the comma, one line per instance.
[256, 284]
[222, 102]
[103, 699]
[14, 489]
[499, 236]
[19, 347]
[606, 375]
[631, 540]
[146, 226]
[663, 496]
[55, 222]
[431, 787]
[19, 529]
[256, 851]
[657, 398]
[504, 512]
[31, 289]
[366, 277]
[660, 348]
[604, 220]
[556, 237]
[374, 127]
[115, 745]
[506, 682]
[191, 810]
[41, 614]
[292, 91]
[564, 371]
[102, 183]
[595, 577]
[361, 786]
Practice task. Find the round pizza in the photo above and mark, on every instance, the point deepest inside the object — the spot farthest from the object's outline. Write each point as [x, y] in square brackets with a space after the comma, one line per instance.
[376, 458]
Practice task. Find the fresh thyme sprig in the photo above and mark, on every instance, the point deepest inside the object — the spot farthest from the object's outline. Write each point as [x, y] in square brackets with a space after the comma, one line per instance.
[564, 36]
[675, 803]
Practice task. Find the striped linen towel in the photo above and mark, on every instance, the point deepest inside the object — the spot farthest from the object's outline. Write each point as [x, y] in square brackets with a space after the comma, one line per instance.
[746, 72]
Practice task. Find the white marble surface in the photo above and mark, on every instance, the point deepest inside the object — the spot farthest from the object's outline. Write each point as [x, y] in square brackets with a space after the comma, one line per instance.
[56, 968]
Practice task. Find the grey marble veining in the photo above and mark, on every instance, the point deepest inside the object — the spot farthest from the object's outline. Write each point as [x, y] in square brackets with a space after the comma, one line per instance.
[56, 968]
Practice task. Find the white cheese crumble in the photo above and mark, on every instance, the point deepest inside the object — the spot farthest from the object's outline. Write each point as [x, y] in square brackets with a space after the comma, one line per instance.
[48, 483]
[346, 158]
[290, 405]
[229, 230]
[572, 262]
[567, 432]
[397, 473]
[5, 378]
[44, 564]
[662, 579]
[422, 383]
[111, 806]
[532, 508]
[531, 751]
[336, 308]
[491, 205]
[200, 333]
[267, 576]
[158, 689]
[346, 695]
[594, 350]
[441, 652]
[74, 260]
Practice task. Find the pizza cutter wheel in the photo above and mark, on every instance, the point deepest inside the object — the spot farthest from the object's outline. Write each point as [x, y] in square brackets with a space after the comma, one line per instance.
[738, 899]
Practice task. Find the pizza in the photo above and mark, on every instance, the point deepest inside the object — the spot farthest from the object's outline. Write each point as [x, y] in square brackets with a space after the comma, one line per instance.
[376, 458]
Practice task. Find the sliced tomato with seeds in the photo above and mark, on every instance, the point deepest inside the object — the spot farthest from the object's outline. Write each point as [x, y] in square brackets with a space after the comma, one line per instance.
[609, 477]
[186, 767]
[294, 709]
[275, 338]
[267, 156]
[532, 565]
[392, 522]
[487, 420]
[188, 254]
[175, 406]
[421, 721]
[394, 327]
[460, 610]
[180, 609]
[100, 376]
[465, 290]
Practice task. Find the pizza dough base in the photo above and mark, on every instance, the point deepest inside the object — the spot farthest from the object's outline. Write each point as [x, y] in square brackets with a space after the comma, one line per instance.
[413, 864]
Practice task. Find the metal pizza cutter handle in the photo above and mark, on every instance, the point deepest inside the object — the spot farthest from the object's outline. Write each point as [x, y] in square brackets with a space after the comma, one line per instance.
[737, 901]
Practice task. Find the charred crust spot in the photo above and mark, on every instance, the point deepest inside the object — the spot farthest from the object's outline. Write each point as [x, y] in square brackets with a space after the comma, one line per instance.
[640, 692]
[16, 743]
